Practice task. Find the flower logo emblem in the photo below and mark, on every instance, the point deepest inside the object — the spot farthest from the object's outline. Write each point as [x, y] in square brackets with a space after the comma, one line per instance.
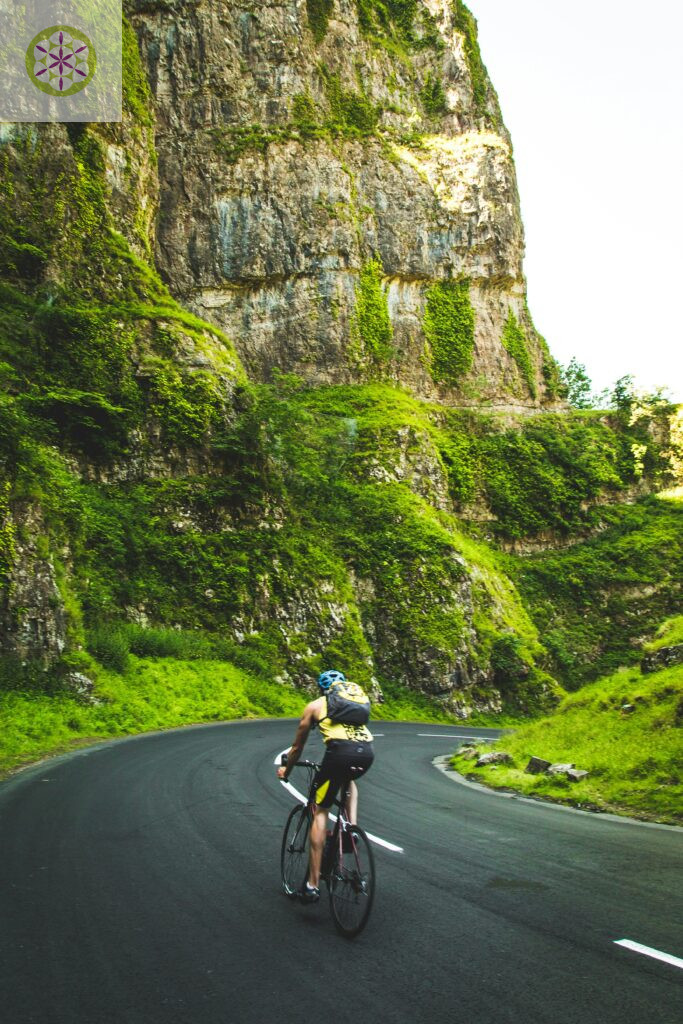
[60, 60]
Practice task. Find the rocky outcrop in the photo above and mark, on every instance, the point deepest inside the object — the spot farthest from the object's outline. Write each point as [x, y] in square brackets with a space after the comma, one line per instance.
[33, 619]
[665, 657]
[289, 158]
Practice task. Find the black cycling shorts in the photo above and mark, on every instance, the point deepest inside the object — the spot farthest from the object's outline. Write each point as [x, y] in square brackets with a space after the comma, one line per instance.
[344, 760]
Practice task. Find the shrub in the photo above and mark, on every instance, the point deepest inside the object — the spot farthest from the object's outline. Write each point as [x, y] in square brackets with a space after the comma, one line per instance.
[110, 645]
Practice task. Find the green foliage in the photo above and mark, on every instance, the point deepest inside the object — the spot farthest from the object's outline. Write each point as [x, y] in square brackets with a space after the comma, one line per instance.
[7, 535]
[591, 600]
[449, 328]
[669, 634]
[577, 385]
[507, 662]
[319, 12]
[352, 114]
[399, 23]
[372, 323]
[137, 96]
[550, 472]
[433, 96]
[466, 24]
[515, 342]
[634, 760]
[234, 140]
[73, 351]
[305, 116]
[110, 646]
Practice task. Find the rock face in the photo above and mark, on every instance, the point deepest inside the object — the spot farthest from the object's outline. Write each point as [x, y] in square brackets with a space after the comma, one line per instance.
[294, 151]
[33, 621]
[665, 657]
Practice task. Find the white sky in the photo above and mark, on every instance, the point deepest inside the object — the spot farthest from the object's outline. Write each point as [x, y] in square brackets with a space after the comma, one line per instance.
[592, 93]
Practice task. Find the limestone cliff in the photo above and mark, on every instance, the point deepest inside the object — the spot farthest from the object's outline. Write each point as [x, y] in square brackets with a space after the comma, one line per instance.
[300, 143]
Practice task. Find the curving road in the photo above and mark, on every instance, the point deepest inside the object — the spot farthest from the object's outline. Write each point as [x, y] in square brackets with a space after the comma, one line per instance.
[139, 884]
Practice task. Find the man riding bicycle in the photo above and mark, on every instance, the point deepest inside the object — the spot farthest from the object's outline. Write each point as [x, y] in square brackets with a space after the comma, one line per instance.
[341, 714]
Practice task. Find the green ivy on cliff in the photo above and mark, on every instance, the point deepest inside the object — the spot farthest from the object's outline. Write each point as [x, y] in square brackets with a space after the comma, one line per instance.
[372, 327]
[466, 24]
[319, 13]
[351, 113]
[449, 328]
[137, 95]
[515, 342]
[433, 96]
[399, 23]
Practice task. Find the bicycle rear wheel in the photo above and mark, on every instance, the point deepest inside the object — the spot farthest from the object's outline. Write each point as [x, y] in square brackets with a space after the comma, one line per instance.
[352, 883]
[294, 853]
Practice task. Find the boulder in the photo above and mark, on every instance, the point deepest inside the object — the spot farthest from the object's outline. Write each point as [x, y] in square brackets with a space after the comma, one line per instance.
[469, 753]
[665, 657]
[495, 757]
[559, 769]
[81, 687]
[576, 774]
[537, 765]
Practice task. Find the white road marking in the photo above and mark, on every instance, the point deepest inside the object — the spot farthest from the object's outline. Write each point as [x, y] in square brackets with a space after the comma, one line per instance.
[450, 736]
[656, 954]
[302, 799]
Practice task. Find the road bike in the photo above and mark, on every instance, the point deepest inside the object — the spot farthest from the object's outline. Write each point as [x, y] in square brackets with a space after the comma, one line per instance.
[348, 865]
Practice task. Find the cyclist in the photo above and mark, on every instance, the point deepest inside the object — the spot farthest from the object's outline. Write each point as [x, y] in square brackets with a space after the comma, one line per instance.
[341, 714]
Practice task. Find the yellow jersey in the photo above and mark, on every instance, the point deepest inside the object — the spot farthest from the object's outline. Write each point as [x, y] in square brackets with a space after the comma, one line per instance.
[330, 730]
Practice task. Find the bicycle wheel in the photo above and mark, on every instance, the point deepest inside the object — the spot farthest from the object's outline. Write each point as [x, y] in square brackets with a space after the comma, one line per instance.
[294, 853]
[352, 883]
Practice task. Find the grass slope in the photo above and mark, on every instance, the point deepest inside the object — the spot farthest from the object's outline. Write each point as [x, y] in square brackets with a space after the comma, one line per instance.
[635, 758]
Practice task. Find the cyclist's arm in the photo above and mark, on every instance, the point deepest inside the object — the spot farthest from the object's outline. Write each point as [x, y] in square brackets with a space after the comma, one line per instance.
[308, 720]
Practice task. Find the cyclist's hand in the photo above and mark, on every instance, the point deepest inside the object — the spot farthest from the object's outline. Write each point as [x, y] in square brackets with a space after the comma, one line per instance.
[281, 772]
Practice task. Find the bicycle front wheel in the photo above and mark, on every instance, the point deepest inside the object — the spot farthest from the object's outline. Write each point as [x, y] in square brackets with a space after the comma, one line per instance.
[352, 883]
[294, 853]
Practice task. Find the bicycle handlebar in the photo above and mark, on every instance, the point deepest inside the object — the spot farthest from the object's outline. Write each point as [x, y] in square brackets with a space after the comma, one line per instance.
[299, 764]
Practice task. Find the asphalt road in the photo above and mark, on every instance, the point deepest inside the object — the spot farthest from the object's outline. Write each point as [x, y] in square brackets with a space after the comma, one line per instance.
[139, 883]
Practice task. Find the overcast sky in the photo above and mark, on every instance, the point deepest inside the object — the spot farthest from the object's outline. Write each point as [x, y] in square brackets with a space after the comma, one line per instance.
[592, 93]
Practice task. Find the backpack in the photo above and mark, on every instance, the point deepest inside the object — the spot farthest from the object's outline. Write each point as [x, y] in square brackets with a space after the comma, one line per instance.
[348, 703]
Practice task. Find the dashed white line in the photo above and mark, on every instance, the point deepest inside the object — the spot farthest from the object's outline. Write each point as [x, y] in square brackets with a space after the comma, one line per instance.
[656, 954]
[302, 799]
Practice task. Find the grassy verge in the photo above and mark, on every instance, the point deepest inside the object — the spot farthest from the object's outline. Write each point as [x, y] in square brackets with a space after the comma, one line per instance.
[152, 694]
[634, 757]
[161, 693]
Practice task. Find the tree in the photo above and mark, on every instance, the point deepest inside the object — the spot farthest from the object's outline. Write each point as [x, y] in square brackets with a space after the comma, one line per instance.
[577, 384]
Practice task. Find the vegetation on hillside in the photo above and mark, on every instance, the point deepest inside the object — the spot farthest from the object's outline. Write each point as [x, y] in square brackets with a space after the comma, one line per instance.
[595, 602]
[625, 730]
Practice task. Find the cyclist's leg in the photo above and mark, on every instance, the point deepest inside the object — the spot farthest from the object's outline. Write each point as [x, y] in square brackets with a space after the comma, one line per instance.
[327, 782]
[316, 843]
[352, 803]
[357, 770]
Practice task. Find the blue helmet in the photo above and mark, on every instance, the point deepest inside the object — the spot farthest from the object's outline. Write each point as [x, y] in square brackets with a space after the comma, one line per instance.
[326, 679]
